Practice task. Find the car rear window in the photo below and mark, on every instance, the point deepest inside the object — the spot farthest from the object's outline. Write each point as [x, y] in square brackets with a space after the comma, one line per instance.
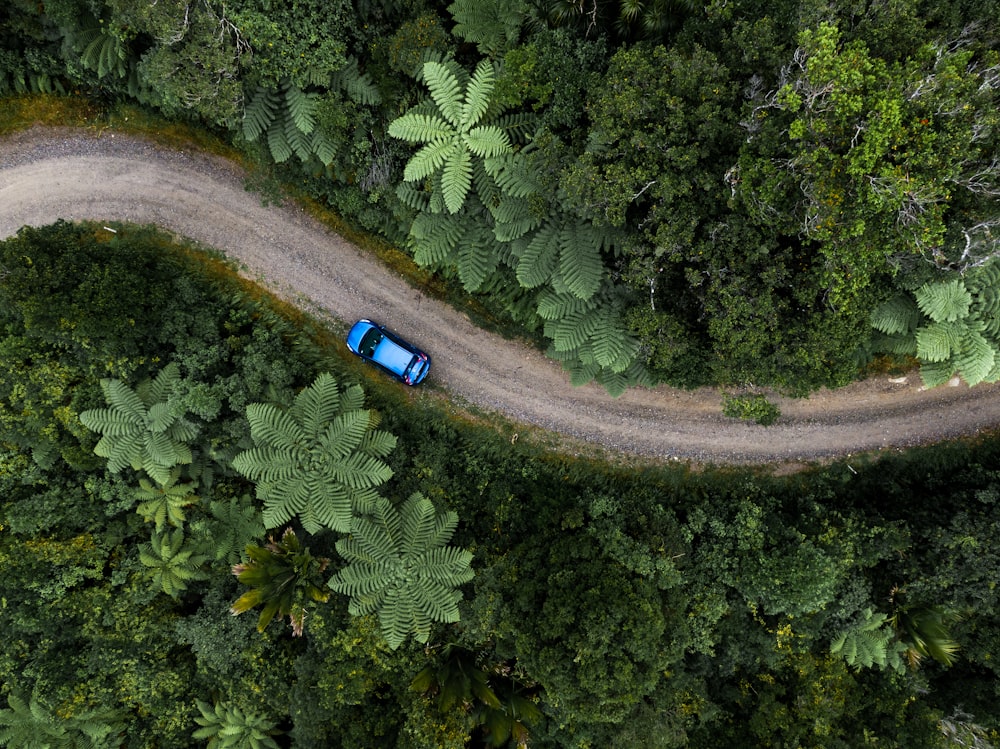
[369, 342]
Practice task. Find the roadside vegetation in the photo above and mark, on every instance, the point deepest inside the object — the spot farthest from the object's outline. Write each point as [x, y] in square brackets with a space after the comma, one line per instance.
[177, 450]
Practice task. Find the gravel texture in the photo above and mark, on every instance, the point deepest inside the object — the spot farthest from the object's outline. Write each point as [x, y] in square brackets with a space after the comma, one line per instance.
[47, 174]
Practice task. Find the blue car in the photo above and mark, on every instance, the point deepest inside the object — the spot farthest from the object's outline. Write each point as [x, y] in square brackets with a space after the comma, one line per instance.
[374, 343]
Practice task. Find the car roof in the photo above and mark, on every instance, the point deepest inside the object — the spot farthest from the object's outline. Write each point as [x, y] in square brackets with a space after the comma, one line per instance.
[392, 356]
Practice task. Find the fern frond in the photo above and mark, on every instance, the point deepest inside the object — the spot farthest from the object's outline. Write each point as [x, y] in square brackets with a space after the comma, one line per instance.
[434, 237]
[104, 52]
[260, 112]
[277, 142]
[430, 158]
[301, 107]
[937, 341]
[936, 373]
[488, 141]
[898, 315]
[944, 302]
[417, 127]
[477, 258]
[975, 359]
[445, 91]
[580, 264]
[539, 258]
[477, 94]
[359, 86]
[456, 178]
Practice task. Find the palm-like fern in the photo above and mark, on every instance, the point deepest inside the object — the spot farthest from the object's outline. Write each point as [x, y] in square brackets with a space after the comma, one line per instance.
[494, 26]
[228, 727]
[453, 131]
[924, 631]
[286, 119]
[103, 50]
[592, 328]
[400, 568]
[871, 642]
[951, 326]
[140, 428]
[492, 696]
[319, 460]
[30, 724]
[165, 503]
[463, 241]
[281, 576]
[234, 524]
[172, 563]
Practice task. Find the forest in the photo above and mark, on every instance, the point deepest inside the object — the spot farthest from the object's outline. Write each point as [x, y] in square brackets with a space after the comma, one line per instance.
[725, 192]
[217, 530]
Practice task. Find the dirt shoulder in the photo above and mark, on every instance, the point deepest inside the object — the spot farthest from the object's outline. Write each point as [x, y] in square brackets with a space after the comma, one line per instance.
[47, 174]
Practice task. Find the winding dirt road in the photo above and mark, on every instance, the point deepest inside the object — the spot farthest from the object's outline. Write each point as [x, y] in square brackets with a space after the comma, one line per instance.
[47, 174]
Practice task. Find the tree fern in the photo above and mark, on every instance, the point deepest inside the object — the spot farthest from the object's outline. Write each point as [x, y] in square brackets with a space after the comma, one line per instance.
[141, 428]
[359, 86]
[103, 51]
[172, 563]
[228, 727]
[869, 643]
[944, 302]
[234, 524]
[285, 119]
[281, 576]
[399, 568]
[454, 132]
[950, 326]
[319, 460]
[494, 26]
[28, 725]
[164, 503]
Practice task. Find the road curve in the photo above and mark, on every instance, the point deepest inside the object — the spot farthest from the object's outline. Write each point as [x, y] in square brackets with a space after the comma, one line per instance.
[48, 174]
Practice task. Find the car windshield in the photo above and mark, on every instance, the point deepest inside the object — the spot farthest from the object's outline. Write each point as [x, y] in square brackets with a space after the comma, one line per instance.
[371, 339]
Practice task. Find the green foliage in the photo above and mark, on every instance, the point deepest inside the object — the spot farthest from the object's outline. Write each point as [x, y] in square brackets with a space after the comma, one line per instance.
[26, 725]
[164, 503]
[400, 568]
[755, 408]
[454, 131]
[493, 26]
[228, 727]
[282, 578]
[141, 428]
[457, 680]
[172, 563]
[234, 524]
[870, 642]
[925, 632]
[872, 190]
[285, 119]
[951, 325]
[319, 460]
[196, 66]
[104, 51]
[301, 43]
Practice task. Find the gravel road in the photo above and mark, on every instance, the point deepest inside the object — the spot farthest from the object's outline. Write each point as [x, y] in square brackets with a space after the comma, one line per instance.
[47, 174]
